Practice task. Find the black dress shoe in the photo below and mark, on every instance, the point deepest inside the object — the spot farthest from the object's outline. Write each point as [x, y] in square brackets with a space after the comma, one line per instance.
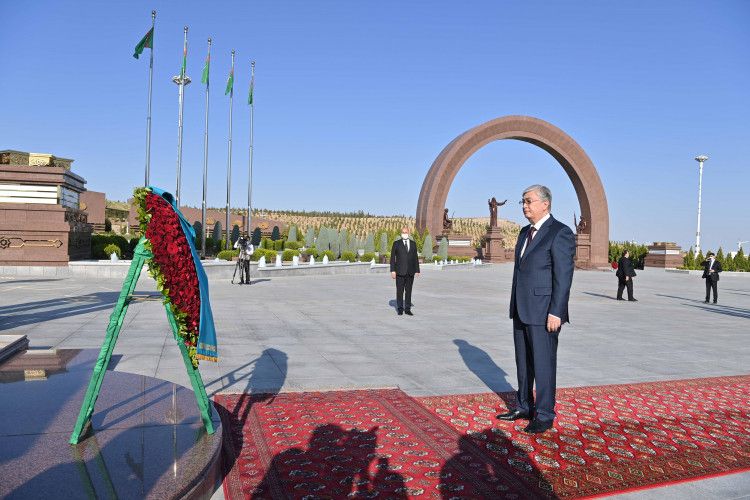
[400, 312]
[632, 300]
[714, 302]
[408, 313]
[538, 426]
[514, 415]
[705, 302]
[620, 298]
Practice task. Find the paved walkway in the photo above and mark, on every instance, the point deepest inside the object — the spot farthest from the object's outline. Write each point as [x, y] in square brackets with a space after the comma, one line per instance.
[317, 333]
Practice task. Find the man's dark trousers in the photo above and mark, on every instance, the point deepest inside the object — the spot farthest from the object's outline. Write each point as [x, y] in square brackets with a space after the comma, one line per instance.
[711, 284]
[403, 284]
[536, 359]
[622, 284]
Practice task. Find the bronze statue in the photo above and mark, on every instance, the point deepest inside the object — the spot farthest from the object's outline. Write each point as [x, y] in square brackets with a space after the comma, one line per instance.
[447, 223]
[493, 210]
[580, 225]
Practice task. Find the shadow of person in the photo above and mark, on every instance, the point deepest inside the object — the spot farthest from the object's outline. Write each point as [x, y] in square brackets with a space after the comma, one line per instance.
[394, 304]
[482, 365]
[264, 382]
[335, 464]
[492, 470]
[309, 471]
[387, 483]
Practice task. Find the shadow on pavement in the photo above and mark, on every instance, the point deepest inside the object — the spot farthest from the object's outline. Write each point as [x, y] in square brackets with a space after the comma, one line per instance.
[16, 315]
[482, 365]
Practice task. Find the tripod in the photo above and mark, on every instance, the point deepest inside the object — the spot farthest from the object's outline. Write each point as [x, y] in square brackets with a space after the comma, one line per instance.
[243, 265]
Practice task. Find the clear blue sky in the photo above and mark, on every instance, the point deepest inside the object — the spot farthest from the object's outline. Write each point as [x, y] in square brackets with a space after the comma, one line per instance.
[354, 100]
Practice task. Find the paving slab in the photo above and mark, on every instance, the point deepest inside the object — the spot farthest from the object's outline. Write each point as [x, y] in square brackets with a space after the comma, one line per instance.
[335, 332]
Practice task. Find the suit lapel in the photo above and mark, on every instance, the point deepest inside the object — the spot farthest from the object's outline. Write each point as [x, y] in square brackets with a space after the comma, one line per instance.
[521, 239]
[537, 237]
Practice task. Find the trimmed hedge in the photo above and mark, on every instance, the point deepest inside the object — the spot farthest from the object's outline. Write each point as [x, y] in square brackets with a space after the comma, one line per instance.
[329, 253]
[368, 256]
[348, 256]
[259, 252]
[112, 249]
[288, 254]
[292, 245]
[228, 254]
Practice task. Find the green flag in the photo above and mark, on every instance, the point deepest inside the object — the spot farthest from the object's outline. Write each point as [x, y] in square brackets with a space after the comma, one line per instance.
[230, 82]
[146, 42]
[250, 95]
[204, 78]
[183, 71]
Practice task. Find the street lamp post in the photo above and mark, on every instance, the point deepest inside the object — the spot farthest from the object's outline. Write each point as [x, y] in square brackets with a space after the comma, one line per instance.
[700, 159]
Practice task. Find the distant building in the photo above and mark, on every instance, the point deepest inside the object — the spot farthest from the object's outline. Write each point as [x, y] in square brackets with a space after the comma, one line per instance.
[41, 222]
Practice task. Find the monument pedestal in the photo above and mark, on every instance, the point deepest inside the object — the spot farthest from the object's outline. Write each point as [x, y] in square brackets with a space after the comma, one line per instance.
[583, 251]
[459, 245]
[494, 247]
[663, 254]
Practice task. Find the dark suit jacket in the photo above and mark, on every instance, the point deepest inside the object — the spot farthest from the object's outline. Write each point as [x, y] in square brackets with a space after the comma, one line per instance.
[401, 262]
[625, 268]
[717, 269]
[542, 278]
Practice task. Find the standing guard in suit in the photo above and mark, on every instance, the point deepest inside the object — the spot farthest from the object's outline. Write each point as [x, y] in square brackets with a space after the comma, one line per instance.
[711, 270]
[625, 274]
[542, 277]
[404, 266]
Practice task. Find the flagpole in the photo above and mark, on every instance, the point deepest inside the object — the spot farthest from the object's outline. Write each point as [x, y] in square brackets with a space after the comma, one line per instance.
[250, 168]
[205, 161]
[229, 154]
[181, 81]
[150, 86]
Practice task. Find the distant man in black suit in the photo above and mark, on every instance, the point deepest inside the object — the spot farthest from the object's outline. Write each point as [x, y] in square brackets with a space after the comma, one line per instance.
[625, 274]
[404, 266]
[711, 270]
[542, 277]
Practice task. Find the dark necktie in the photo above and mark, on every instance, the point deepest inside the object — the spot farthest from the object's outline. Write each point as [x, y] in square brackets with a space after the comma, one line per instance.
[529, 237]
[406, 244]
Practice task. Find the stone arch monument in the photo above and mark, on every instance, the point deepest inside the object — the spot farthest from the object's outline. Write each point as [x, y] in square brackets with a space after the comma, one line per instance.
[592, 247]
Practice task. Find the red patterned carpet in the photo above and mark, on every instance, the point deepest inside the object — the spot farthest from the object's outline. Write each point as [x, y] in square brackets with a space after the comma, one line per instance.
[385, 444]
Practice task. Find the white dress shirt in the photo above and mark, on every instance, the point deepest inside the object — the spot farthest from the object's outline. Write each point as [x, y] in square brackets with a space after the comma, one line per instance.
[537, 226]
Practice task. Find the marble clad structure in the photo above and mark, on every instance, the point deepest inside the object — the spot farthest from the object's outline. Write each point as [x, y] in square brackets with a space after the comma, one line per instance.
[663, 254]
[41, 223]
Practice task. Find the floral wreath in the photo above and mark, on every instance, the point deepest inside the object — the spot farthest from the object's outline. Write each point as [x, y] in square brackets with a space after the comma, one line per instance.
[177, 270]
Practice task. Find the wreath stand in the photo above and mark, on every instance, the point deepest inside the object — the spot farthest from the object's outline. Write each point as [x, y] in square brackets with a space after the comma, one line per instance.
[140, 256]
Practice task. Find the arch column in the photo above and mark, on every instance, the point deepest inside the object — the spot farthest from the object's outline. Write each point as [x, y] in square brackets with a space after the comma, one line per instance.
[593, 241]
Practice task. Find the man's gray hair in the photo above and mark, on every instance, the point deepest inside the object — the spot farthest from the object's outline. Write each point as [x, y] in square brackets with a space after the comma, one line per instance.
[543, 192]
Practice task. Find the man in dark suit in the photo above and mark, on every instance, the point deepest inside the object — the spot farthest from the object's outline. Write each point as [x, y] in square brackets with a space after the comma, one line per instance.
[711, 270]
[625, 274]
[542, 276]
[404, 266]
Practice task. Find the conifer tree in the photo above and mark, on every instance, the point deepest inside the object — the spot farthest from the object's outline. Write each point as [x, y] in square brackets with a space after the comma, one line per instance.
[427, 248]
[292, 234]
[216, 234]
[443, 248]
[384, 248]
[309, 237]
[370, 243]
[689, 260]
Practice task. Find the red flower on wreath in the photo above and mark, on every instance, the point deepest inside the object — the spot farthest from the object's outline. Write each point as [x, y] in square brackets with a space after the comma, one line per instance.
[173, 262]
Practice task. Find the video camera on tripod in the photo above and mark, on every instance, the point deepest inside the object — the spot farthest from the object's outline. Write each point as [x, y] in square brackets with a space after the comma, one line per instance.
[246, 249]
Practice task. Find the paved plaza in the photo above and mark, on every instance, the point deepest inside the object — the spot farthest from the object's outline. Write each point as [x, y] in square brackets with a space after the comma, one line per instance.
[335, 332]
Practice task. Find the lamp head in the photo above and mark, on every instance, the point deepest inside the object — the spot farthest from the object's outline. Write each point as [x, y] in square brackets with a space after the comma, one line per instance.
[701, 158]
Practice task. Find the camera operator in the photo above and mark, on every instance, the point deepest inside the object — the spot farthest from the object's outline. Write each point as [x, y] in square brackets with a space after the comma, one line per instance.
[243, 262]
